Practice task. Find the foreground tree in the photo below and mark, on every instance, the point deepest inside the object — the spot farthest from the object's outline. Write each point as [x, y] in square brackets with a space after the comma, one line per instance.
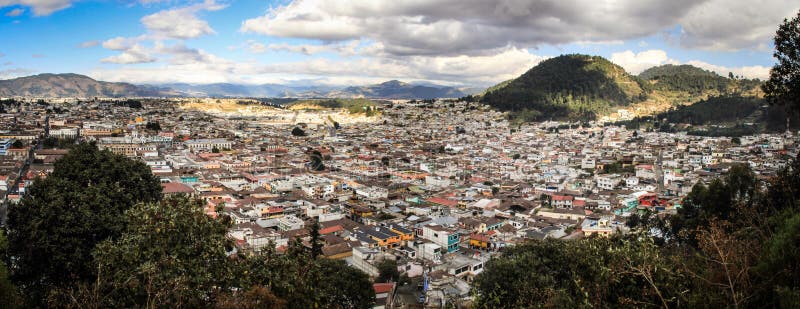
[55, 227]
[783, 86]
[304, 282]
[171, 254]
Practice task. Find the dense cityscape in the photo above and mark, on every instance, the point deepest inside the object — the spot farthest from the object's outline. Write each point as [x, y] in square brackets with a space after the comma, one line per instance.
[590, 178]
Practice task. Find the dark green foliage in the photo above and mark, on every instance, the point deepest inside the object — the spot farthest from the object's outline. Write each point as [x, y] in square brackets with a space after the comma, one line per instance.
[721, 116]
[570, 86]
[131, 103]
[53, 142]
[714, 110]
[8, 292]
[388, 271]
[171, 254]
[586, 273]
[55, 227]
[719, 200]
[297, 131]
[153, 125]
[783, 86]
[315, 161]
[17, 144]
[693, 80]
[616, 168]
[316, 242]
[308, 283]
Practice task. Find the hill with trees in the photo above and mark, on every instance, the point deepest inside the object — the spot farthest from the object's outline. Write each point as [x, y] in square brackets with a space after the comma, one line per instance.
[568, 86]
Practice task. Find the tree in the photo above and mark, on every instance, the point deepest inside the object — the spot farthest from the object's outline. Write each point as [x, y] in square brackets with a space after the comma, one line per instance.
[296, 278]
[55, 227]
[783, 86]
[8, 292]
[215, 149]
[171, 254]
[154, 126]
[297, 131]
[591, 272]
[316, 163]
[316, 244]
[17, 144]
[388, 272]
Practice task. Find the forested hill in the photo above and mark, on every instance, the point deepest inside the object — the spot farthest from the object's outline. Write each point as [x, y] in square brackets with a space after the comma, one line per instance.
[568, 86]
[695, 81]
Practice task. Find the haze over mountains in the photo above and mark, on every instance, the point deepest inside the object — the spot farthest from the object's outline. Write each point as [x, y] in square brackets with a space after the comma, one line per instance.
[574, 87]
[75, 85]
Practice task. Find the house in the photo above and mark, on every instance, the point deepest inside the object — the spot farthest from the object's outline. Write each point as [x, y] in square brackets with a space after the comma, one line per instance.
[290, 222]
[384, 295]
[176, 188]
[447, 238]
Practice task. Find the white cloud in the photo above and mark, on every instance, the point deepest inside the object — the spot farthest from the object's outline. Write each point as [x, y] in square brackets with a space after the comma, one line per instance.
[468, 26]
[15, 12]
[635, 63]
[133, 54]
[756, 71]
[726, 25]
[39, 7]
[198, 66]
[181, 23]
[120, 43]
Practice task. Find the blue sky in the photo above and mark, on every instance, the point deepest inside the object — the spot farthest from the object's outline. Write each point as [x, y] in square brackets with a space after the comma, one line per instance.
[458, 42]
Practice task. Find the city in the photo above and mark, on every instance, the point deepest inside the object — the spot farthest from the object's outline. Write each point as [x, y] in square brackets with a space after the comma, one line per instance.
[306, 154]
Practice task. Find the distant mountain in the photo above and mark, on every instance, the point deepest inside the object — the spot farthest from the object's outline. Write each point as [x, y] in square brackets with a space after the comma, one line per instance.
[74, 85]
[567, 87]
[388, 90]
[240, 90]
[395, 89]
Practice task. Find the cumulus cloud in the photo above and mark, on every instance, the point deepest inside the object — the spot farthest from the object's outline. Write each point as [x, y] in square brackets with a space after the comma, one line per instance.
[209, 68]
[468, 26]
[181, 23]
[39, 7]
[132, 54]
[755, 71]
[635, 63]
[734, 25]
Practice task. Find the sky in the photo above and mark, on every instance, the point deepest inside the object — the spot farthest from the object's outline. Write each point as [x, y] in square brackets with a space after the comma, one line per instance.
[355, 42]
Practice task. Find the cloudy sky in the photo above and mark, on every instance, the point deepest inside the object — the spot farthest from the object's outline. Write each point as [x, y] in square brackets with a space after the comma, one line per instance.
[338, 42]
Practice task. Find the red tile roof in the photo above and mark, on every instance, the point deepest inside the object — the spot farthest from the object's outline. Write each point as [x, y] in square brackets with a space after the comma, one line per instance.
[383, 287]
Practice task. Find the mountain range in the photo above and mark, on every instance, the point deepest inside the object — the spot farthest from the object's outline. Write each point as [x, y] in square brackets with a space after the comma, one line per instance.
[75, 85]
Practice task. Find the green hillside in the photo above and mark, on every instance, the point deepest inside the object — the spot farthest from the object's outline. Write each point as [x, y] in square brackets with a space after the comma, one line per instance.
[694, 80]
[567, 87]
[726, 115]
